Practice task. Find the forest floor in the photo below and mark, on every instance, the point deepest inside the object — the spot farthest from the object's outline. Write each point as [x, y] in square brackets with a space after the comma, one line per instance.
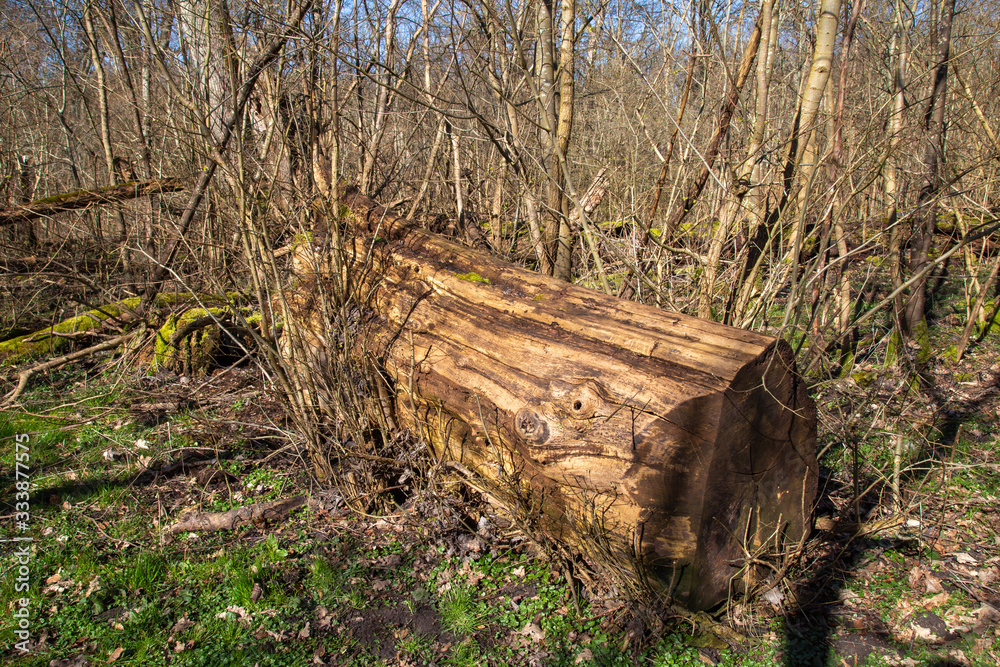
[113, 462]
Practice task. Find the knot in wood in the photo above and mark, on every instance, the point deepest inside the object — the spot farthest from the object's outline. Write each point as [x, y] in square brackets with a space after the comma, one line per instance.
[531, 427]
[586, 400]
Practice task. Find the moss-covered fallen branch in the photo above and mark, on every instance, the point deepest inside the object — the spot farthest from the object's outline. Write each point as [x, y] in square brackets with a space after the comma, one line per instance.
[55, 339]
[71, 201]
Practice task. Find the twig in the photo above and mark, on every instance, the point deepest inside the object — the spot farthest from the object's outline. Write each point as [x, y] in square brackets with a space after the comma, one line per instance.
[56, 362]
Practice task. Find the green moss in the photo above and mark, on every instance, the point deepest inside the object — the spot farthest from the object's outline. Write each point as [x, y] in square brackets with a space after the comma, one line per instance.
[52, 340]
[472, 277]
[922, 336]
[193, 355]
[892, 348]
[864, 378]
[539, 297]
[55, 199]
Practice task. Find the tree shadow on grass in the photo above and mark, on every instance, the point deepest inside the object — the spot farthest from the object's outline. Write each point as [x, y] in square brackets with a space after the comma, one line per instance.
[838, 555]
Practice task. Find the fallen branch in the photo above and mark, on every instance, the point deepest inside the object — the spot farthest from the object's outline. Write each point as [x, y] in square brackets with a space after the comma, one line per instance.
[73, 201]
[56, 362]
[215, 521]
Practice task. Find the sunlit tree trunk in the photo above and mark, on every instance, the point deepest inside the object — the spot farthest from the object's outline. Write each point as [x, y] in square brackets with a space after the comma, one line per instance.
[564, 129]
[103, 112]
[382, 98]
[804, 127]
[899, 53]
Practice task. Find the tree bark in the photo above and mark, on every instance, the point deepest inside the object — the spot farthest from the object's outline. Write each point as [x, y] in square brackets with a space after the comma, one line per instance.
[663, 446]
[933, 156]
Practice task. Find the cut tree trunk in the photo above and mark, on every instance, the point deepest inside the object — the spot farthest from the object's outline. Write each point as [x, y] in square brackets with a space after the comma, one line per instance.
[675, 449]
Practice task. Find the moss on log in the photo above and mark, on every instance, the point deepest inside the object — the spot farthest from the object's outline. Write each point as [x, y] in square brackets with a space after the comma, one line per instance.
[676, 449]
[79, 199]
[194, 352]
[56, 338]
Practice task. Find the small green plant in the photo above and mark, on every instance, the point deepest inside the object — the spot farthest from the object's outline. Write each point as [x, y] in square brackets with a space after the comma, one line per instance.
[465, 653]
[144, 573]
[272, 551]
[458, 611]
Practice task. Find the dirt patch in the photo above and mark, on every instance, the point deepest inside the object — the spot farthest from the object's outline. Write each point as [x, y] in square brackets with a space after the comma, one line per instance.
[381, 630]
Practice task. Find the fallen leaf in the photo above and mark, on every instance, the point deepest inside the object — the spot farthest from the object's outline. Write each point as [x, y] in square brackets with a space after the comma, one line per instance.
[117, 653]
[239, 611]
[54, 578]
[586, 655]
[94, 585]
[182, 624]
[937, 600]
[988, 616]
[304, 632]
[775, 596]
[933, 583]
[517, 572]
[983, 644]
[916, 577]
[965, 559]
[534, 631]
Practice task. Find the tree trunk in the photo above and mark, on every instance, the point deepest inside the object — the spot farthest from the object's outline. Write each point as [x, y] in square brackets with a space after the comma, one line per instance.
[802, 153]
[665, 447]
[933, 156]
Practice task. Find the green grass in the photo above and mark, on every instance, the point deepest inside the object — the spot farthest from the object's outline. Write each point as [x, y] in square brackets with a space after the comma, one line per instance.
[192, 601]
[459, 612]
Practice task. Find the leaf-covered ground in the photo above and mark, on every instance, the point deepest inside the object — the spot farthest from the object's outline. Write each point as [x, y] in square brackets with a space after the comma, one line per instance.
[439, 578]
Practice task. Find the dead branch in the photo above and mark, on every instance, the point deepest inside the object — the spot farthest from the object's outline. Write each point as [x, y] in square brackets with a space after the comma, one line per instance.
[215, 521]
[73, 201]
[56, 362]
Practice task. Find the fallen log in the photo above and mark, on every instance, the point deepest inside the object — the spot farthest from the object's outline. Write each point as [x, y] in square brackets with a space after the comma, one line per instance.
[72, 201]
[678, 449]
